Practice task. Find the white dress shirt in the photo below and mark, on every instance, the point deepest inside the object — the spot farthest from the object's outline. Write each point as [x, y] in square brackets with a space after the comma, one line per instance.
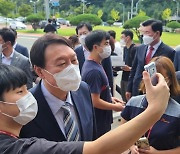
[7, 60]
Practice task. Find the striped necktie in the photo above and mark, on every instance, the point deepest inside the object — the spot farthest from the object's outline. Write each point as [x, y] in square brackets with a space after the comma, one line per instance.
[70, 126]
[149, 55]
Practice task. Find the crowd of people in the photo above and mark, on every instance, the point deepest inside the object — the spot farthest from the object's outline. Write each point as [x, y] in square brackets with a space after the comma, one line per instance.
[60, 98]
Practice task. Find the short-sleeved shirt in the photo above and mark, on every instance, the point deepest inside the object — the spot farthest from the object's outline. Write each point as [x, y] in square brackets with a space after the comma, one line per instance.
[94, 75]
[128, 57]
[10, 145]
[165, 133]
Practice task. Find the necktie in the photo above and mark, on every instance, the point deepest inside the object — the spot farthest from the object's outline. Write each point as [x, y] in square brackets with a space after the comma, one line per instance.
[70, 126]
[148, 57]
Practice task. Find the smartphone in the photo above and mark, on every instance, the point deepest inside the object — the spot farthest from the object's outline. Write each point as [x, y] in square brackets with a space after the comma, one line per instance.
[151, 69]
[143, 143]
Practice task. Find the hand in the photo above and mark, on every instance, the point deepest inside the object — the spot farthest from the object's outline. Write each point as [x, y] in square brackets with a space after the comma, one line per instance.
[151, 150]
[157, 96]
[126, 68]
[119, 105]
[134, 149]
[128, 95]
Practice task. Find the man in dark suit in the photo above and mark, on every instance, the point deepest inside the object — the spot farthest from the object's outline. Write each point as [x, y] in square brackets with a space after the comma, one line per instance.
[153, 46]
[9, 56]
[177, 58]
[56, 64]
[19, 48]
[82, 53]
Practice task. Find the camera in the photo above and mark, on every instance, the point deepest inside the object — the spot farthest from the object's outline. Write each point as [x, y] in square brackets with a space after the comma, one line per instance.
[143, 143]
[151, 69]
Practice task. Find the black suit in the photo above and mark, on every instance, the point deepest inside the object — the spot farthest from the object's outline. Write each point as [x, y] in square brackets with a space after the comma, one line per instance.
[22, 50]
[106, 63]
[139, 62]
[45, 125]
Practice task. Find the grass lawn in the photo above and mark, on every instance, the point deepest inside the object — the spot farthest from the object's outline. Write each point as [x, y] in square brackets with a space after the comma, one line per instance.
[171, 39]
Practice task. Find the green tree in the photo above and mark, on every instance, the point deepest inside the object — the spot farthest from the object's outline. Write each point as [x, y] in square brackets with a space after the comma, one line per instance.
[134, 24]
[25, 10]
[115, 15]
[34, 20]
[166, 14]
[100, 13]
[173, 25]
[6, 6]
[91, 18]
[141, 13]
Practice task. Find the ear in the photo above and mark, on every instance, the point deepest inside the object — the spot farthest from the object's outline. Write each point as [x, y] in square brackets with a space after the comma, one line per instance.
[95, 47]
[39, 71]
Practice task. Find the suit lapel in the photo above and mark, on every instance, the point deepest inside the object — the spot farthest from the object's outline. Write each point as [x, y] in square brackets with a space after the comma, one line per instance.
[144, 49]
[50, 128]
[77, 99]
[159, 50]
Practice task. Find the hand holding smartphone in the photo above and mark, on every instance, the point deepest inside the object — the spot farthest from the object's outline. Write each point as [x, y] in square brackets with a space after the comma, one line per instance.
[151, 69]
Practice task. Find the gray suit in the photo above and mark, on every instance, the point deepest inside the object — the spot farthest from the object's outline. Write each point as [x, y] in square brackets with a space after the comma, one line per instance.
[23, 63]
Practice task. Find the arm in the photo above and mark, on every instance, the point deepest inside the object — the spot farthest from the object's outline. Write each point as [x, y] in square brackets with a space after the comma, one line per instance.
[101, 104]
[119, 140]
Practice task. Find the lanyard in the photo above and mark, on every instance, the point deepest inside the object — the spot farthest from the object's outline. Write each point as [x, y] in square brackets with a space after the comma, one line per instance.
[7, 133]
[149, 132]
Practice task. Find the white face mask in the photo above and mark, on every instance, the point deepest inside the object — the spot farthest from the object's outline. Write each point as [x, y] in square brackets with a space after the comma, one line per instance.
[82, 39]
[147, 39]
[122, 42]
[68, 79]
[28, 108]
[106, 52]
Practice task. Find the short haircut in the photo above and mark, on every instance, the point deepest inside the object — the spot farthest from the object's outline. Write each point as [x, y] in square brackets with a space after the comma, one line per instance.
[49, 20]
[128, 32]
[7, 35]
[11, 78]
[112, 33]
[74, 40]
[165, 64]
[37, 53]
[155, 24]
[82, 24]
[96, 37]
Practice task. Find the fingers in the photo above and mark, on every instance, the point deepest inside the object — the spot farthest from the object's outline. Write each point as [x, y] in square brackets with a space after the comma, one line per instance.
[147, 80]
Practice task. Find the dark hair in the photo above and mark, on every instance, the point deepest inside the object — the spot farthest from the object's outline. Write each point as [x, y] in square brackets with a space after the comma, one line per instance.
[112, 33]
[11, 78]
[82, 24]
[74, 40]
[15, 32]
[7, 35]
[96, 37]
[37, 53]
[155, 24]
[49, 20]
[165, 64]
[128, 32]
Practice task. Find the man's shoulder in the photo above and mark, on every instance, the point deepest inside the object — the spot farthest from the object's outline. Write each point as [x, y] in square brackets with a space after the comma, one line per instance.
[20, 56]
[166, 47]
[21, 46]
[79, 49]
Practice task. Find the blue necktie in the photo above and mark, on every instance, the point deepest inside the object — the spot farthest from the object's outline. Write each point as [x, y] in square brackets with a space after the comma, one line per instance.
[70, 126]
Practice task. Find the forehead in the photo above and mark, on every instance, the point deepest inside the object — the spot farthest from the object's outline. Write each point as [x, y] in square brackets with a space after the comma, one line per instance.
[146, 29]
[58, 51]
[83, 30]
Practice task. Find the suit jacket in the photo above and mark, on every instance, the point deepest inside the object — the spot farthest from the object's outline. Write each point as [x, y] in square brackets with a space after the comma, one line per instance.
[22, 50]
[45, 125]
[177, 60]
[139, 62]
[23, 63]
[106, 63]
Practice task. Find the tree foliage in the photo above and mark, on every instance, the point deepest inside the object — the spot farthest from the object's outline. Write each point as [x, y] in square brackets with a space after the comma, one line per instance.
[100, 13]
[115, 15]
[6, 6]
[91, 18]
[25, 10]
[173, 25]
[134, 24]
[166, 14]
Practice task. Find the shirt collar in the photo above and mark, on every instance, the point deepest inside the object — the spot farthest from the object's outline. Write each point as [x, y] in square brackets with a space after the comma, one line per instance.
[54, 103]
[3, 56]
[156, 45]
